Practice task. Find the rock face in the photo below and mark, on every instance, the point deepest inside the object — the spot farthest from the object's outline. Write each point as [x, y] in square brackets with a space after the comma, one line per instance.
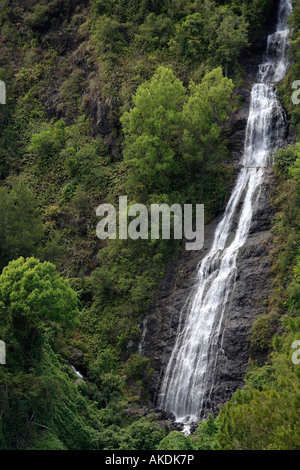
[245, 305]
[251, 290]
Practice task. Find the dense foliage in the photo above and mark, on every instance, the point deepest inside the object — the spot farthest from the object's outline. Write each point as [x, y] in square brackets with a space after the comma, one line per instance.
[170, 135]
[107, 98]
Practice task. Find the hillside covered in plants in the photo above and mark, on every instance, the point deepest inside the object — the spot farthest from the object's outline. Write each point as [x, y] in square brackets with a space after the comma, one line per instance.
[106, 98]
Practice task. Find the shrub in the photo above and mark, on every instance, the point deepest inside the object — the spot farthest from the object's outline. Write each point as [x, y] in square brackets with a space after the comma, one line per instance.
[48, 142]
[32, 293]
[286, 157]
[21, 227]
[262, 334]
[176, 441]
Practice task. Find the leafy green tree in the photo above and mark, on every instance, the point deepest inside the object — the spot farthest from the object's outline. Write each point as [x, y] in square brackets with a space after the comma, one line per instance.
[214, 33]
[294, 290]
[109, 37]
[188, 41]
[176, 441]
[34, 292]
[145, 435]
[33, 297]
[21, 227]
[295, 170]
[286, 156]
[155, 32]
[206, 434]
[229, 37]
[136, 10]
[111, 388]
[151, 129]
[140, 435]
[204, 112]
[255, 12]
[268, 421]
[4, 207]
[168, 132]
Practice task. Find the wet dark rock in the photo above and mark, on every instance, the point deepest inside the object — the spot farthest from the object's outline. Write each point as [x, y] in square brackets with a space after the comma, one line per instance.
[245, 305]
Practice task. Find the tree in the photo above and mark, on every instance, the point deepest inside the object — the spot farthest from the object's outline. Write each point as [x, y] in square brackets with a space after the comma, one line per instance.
[168, 132]
[176, 441]
[206, 434]
[204, 112]
[135, 10]
[228, 34]
[151, 130]
[285, 157]
[213, 33]
[189, 41]
[269, 421]
[21, 227]
[109, 36]
[145, 435]
[33, 291]
[33, 297]
[295, 170]
[4, 207]
[155, 32]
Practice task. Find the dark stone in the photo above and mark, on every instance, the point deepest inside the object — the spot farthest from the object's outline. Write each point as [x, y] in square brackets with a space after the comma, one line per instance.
[76, 358]
[245, 305]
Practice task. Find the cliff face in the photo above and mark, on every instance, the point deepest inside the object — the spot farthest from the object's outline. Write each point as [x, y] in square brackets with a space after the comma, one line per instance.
[248, 299]
[246, 303]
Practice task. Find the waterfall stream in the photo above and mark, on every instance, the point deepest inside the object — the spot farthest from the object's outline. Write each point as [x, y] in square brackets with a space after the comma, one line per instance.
[185, 385]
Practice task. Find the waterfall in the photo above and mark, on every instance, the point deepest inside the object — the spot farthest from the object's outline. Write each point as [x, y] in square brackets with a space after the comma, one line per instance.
[186, 385]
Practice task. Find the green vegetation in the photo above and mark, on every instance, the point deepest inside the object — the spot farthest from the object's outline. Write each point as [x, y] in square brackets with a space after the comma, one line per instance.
[169, 136]
[175, 441]
[107, 98]
[205, 438]
[21, 227]
[286, 89]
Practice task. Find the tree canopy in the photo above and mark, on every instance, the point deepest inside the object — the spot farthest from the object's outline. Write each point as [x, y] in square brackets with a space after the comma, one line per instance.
[21, 227]
[32, 292]
[170, 132]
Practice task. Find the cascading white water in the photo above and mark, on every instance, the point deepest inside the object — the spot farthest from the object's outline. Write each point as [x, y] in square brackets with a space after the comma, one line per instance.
[192, 362]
